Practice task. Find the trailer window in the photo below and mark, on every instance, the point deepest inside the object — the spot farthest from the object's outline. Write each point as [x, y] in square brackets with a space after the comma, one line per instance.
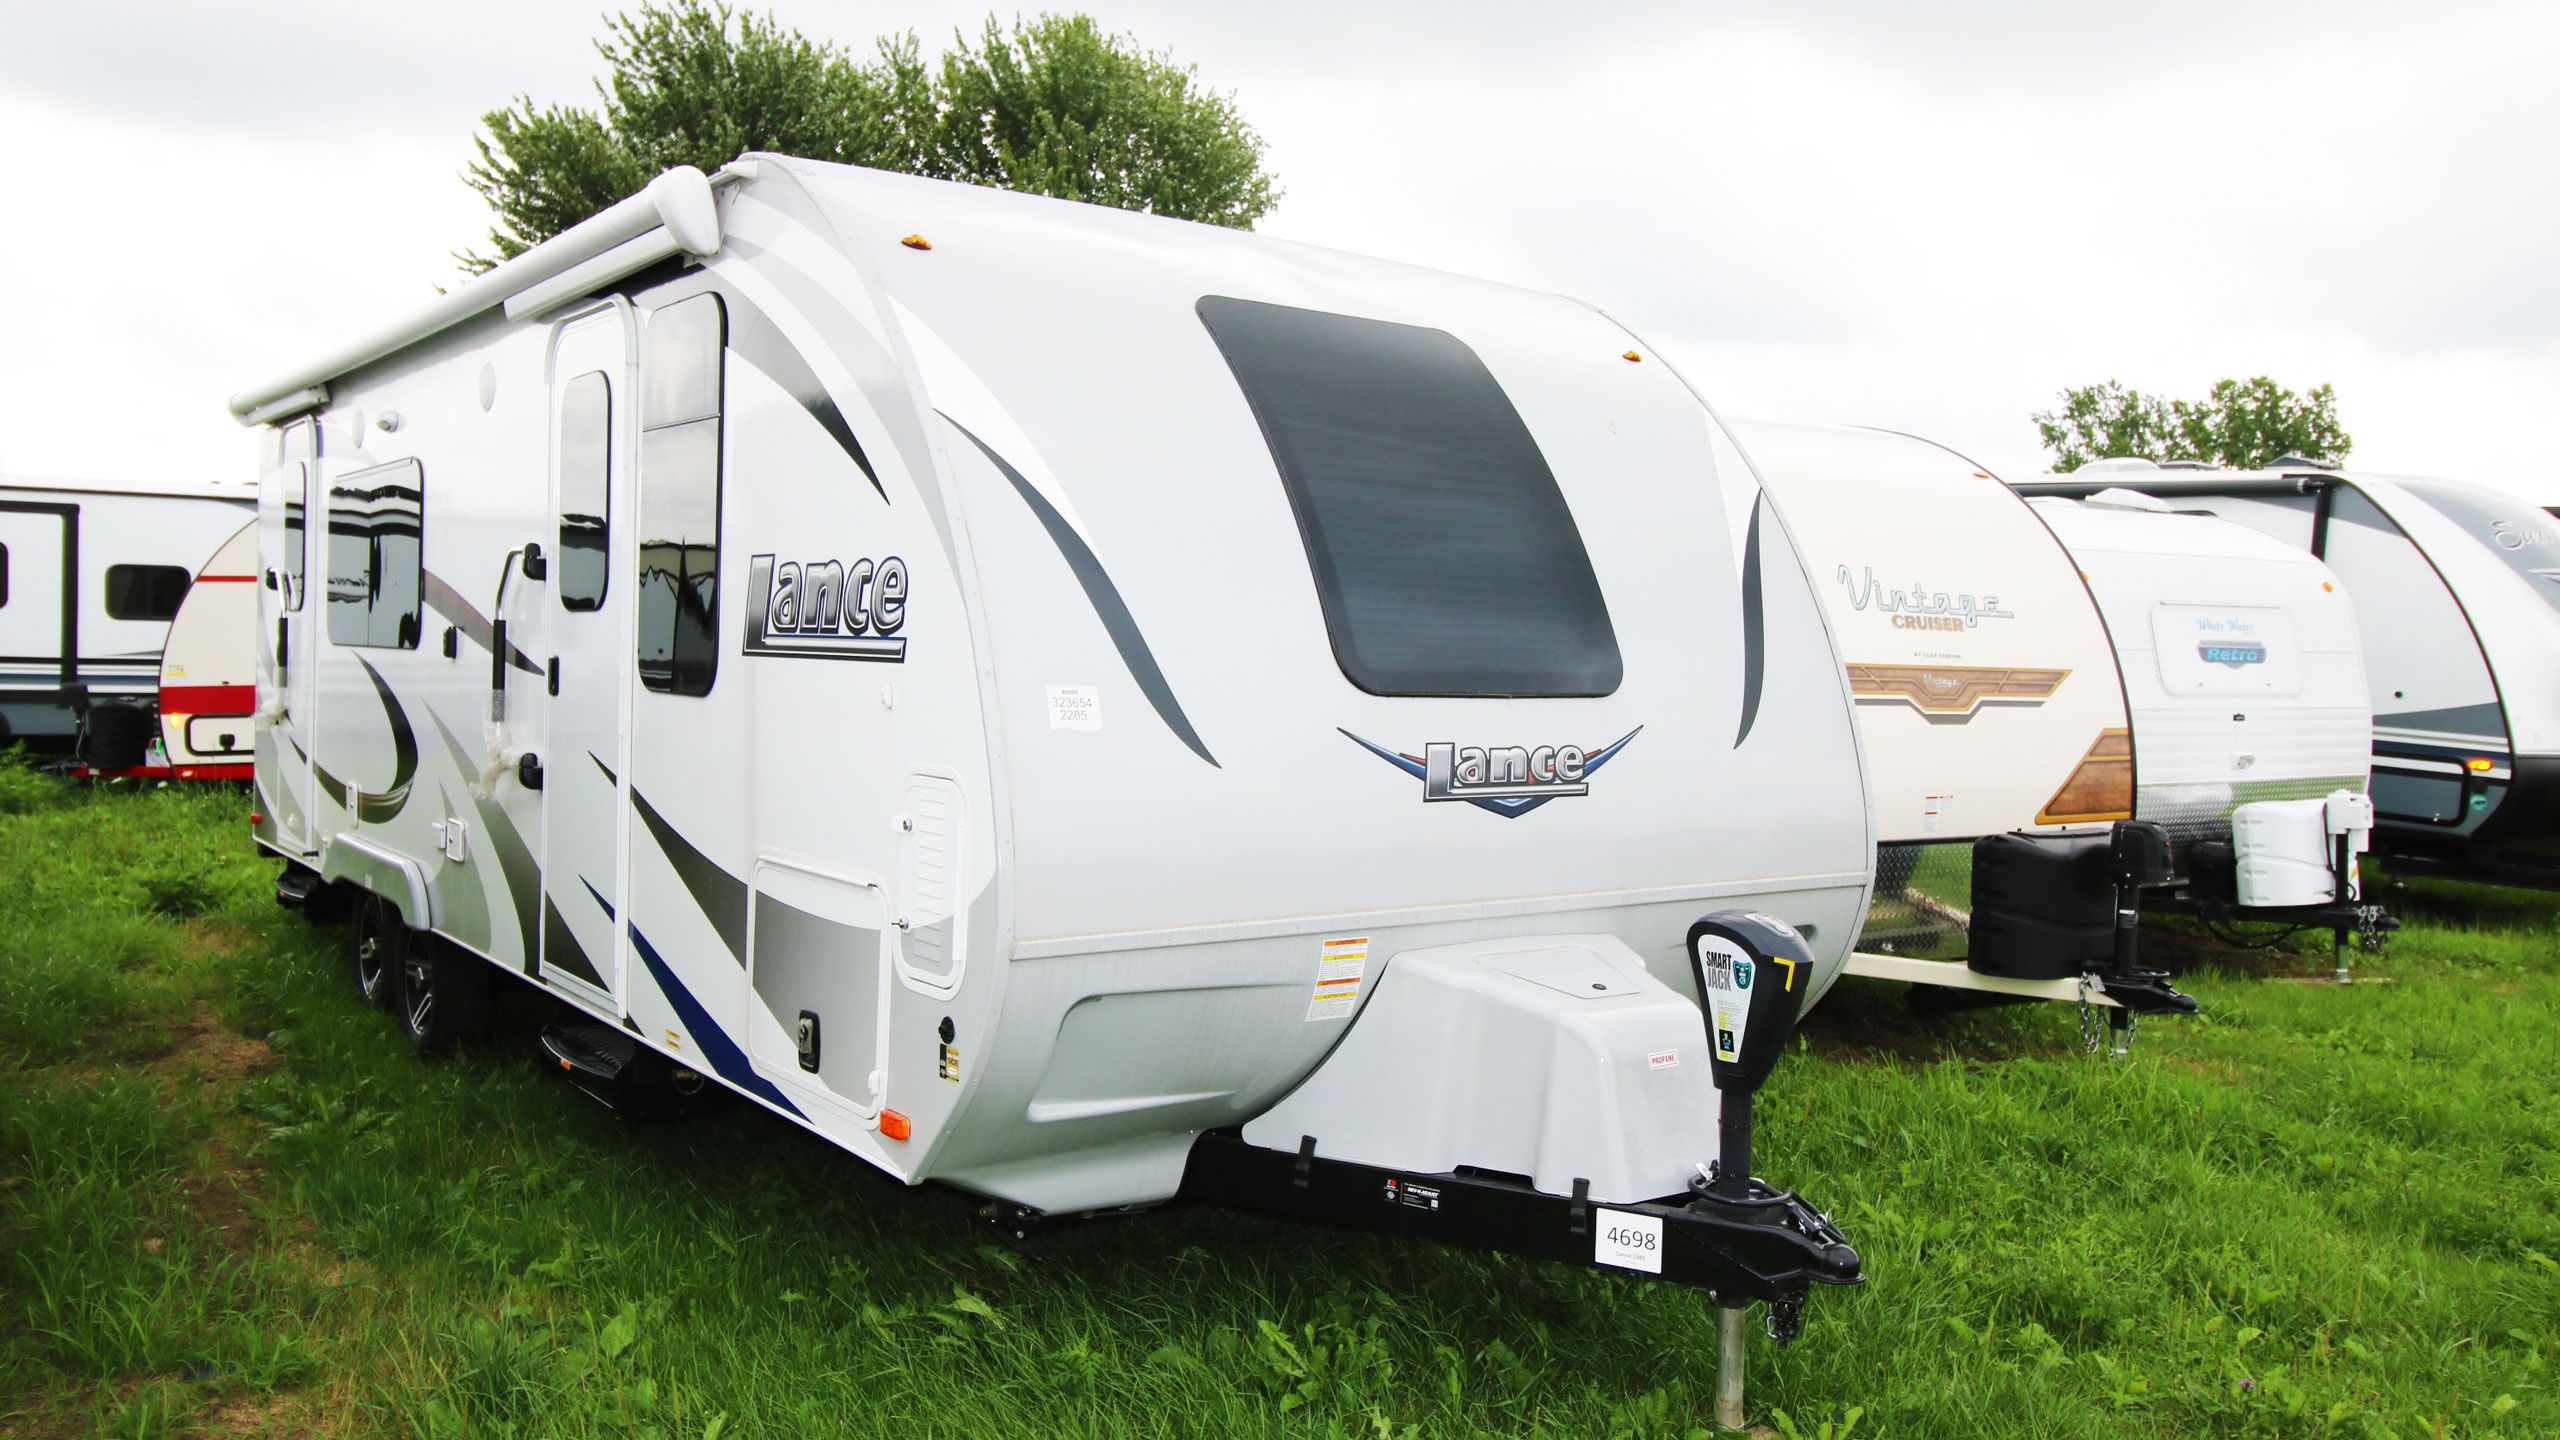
[586, 487]
[376, 556]
[146, 592]
[679, 649]
[1443, 553]
[4, 576]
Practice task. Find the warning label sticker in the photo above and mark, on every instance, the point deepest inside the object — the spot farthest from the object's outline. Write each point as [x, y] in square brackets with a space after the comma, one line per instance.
[1341, 965]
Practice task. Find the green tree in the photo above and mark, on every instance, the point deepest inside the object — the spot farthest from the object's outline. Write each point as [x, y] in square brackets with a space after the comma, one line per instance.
[2243, 423]
[1055, 106]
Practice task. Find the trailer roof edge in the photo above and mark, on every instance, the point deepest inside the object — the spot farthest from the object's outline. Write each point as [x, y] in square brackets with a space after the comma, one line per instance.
[678, 202]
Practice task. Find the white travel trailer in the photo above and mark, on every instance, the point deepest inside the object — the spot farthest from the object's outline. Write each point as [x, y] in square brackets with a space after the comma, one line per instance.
[1988, 700]
[2457, 592]
[1074, 705]
[91, 573]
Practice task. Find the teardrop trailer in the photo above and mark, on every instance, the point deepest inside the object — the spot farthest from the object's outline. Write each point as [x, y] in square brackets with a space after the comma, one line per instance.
[2457, 591]
[1993, 722]
[2245, 678]
[1084, 708]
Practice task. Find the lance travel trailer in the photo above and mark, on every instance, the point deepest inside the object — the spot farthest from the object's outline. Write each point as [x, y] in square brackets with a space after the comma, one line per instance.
[2457, 591]
[1991, 715]
[2244, 676]
[1078, 706]
[91, 574]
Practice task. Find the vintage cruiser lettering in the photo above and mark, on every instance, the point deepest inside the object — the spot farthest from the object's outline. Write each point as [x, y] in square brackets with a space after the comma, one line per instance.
[1920, 608]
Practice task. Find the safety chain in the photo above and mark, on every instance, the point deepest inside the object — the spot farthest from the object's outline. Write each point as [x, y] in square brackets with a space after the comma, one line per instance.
[1785, 1318]
[2092, 1033]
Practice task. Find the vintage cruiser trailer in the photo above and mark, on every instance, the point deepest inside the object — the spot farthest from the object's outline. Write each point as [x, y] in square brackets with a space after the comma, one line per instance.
[1987, 697]
[2458, 603]
[91, 574]
[1077, 706]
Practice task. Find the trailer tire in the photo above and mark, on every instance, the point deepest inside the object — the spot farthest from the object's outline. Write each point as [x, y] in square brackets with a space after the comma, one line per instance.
[444, 995]
[377, 945]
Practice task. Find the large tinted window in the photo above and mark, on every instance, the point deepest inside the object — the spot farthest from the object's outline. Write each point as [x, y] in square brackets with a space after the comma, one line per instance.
[376, 556]
[146, 592]
[586, 489]
[2526, 538]
[679, 647]
[1444, 555]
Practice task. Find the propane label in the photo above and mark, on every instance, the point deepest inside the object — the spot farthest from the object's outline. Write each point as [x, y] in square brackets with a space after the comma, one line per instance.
[1627, 1240]
[1728, 994]
[1341, 965]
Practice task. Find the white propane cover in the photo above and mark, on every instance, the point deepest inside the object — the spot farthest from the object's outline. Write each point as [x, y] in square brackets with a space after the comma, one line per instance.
[2282, 847]
[1555, 1057]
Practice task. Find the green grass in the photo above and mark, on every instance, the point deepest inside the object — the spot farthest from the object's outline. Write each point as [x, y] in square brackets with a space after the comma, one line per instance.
[230, 1203]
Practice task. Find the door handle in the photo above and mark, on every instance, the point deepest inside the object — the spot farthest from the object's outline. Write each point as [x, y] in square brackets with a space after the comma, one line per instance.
[555, 676]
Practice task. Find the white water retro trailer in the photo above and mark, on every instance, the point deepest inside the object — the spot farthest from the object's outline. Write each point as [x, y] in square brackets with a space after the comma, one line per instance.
[2457, 593]
[91, 573]
[2252, 732]
[209, 669]
[1074, 705]
[1988, 705]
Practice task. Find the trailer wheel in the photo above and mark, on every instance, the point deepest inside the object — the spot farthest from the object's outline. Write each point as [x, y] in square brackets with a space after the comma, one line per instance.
[444, 995]
[377, 945]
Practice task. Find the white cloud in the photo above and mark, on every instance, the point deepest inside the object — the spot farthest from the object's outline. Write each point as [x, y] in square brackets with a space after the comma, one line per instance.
[1929, 217]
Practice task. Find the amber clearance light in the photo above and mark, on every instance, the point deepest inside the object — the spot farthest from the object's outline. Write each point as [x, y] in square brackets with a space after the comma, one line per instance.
[2100, 787]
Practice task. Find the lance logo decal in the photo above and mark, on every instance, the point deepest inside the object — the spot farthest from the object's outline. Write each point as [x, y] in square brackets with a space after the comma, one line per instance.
[1509, 780]
[824, 610]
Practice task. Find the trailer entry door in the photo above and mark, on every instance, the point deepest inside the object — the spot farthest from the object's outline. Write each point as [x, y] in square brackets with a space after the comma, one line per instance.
[288, 644]
[584, 693]
[36, 639]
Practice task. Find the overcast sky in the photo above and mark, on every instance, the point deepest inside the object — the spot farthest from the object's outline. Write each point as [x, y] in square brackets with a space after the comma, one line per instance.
[1925, 216]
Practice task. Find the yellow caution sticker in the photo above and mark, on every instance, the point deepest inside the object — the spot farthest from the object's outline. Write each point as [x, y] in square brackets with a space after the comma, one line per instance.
[1342, 965]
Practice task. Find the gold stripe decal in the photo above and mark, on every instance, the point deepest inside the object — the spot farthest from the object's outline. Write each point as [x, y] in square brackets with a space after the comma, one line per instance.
[1954, 689]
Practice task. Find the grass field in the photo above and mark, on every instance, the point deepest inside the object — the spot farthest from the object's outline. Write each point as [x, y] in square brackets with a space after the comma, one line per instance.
[231, 1204]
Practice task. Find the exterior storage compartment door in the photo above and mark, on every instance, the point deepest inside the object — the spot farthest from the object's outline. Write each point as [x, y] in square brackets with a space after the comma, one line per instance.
[817, 985]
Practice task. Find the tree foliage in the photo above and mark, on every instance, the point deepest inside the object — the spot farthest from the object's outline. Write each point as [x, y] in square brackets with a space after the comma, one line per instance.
[2242, 423]
[1054, 106]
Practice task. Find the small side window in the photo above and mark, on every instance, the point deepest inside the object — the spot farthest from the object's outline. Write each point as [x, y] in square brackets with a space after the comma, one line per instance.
[377, 556]
[4, 576]
[586, 490]
[146, 592]
[679, 512]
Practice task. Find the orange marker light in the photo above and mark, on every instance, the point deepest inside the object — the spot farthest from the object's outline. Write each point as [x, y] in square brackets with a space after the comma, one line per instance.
[917, 242]
[2328, 585]
[895, 1125]
[2476, 763]
[1633, 355]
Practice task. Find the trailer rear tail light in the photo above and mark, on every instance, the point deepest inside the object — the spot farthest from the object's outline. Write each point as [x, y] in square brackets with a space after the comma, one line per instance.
[895, 1125]
[2100, 787]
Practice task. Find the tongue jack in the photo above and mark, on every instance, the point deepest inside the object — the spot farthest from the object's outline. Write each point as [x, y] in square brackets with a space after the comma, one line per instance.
[1752, 972]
